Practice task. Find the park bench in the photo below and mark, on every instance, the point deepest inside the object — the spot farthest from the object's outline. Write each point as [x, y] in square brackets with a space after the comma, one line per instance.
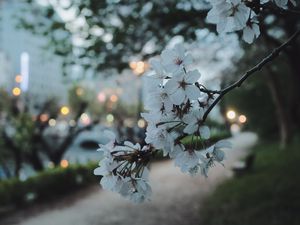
[241, 167]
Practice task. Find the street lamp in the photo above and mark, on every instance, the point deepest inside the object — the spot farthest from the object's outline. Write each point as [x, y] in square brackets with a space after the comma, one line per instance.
[16, 91]
[65, 110]
[231, 114]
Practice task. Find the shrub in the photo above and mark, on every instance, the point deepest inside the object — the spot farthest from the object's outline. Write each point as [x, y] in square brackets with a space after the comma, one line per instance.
[46, 185]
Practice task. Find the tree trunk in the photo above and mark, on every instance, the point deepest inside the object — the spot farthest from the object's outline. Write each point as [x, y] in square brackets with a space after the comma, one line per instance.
[293, 55]
[35, 161]
[283, 119]
[18, 162]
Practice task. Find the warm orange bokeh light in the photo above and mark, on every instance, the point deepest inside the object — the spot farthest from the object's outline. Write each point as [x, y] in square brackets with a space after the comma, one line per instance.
[64, 163]
[16, 91]
[114, 98]
[139, 67]
[242, 119]
[44, 117]
[18, 78]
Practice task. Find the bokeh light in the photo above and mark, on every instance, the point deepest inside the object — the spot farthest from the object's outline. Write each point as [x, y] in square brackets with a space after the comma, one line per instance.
[101, 97]
[110, 118]
[79, 91]
[18, 78]
[64, 163]
[65, 110]
[242, 119]
[231, 114]
[138, 67]
[16, 91]
[52, 122]
[85, 119]
[44, 117]
[141, 123]
[114, 98]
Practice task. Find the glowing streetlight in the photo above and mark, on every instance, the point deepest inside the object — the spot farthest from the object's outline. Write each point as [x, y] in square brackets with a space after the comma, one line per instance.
[231, 114]
[65, 110]
[114, 98]
[242, 119]
[18, 78]
[44, 117]
[64, 163]
[16, 91]
[138, 67]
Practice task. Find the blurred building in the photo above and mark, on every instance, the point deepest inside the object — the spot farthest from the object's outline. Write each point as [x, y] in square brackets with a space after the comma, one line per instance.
[21, 53]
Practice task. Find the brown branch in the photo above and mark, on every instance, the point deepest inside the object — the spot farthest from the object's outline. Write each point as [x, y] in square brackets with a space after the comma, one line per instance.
[274, 54]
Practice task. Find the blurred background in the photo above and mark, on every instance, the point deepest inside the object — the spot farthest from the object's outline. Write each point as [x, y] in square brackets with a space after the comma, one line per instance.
[70, 70]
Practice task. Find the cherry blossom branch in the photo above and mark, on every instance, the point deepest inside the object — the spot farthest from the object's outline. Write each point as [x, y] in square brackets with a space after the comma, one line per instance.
[274, 54]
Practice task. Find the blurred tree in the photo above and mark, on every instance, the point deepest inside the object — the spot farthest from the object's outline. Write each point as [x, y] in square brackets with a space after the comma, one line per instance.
[106, 34]
[24, 136]
[265, 99]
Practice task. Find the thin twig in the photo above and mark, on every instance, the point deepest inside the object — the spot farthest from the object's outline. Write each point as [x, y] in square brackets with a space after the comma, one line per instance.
[257, 67]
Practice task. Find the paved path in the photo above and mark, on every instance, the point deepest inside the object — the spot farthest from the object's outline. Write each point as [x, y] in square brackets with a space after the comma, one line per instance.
[176, 198]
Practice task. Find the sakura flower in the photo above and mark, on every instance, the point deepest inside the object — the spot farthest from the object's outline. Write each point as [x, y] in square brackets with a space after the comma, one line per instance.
[159, 100]
[186, 160]
[250, 32]
[141, 192]
[195, 124]
[159, 72]
[105, 169]
[160, 138]
[281, 3]
[181, 86]
[216, 152]
[230, 15]
[176, 59]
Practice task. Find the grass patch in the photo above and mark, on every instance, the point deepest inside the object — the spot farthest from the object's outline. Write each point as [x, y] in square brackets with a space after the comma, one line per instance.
[270, 194]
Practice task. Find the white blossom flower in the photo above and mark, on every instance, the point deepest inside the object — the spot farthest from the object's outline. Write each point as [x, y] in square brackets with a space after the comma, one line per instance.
[159, 72]
[160, 138]
[279, 3]
[216, 151]
[194, 121]
[186, 160]
[181, 86]
[142, 191]
[250, 32]
[228, 15]
[176, 59]
[159, 100]
[175, 109]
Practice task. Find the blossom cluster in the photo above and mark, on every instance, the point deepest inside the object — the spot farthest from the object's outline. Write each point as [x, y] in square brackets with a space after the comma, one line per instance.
[235, 15]
[175, 105]
[124, 168]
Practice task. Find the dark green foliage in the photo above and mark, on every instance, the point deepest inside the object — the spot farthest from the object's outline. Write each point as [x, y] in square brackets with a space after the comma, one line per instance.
[46, 185]
[138, 22]
[267, 195]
